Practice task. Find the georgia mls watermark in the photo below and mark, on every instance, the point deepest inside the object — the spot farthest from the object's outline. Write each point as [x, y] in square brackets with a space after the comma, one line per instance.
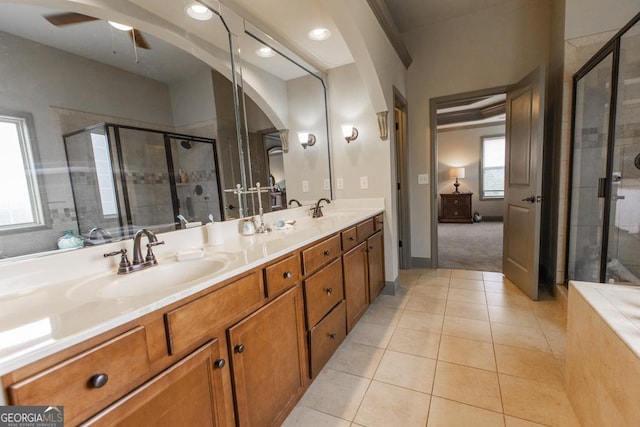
[31, 416]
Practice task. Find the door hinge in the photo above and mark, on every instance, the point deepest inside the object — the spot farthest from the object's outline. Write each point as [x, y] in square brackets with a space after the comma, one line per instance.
[399, 243]
[398, 186]
[397, 126]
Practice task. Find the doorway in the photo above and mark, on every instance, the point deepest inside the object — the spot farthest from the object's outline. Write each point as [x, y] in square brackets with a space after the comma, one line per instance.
[402, 183]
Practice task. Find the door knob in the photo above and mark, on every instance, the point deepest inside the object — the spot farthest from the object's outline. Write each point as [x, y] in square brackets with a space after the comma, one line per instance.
[530, 199]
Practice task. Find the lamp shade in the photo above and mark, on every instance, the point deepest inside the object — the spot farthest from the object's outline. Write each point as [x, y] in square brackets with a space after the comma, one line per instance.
[456, 173]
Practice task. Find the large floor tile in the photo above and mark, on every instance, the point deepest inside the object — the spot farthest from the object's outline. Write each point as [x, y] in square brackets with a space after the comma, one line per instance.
[465, 295]
[392, 406]
[406, 370]
[512, 316]
[356, 359]
[492, 276]
[399, 300]
[538, 402]
[381, 314]
[418, 343]
[304, 417]
[434, 282]
[516, 336]
[531, 364]
[508, 299]
[466, 274]
[447, 413]
[439, 292]
[420, 321]
[469, 284]
[472, 386]
[519, 422]
[477, 354]
[468, 310]
[336, 393]
[373, 334]
[467, 328]
[500, 286]
[426, 304]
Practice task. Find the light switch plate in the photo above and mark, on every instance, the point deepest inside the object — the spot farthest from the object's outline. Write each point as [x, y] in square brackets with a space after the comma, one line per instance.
[327, 184]
[364, 182]
[305, 186]
[423, 178]
[340, 184]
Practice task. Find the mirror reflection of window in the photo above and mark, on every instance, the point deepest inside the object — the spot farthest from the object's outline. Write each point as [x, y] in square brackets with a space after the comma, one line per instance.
[492, 170]
[104, 173]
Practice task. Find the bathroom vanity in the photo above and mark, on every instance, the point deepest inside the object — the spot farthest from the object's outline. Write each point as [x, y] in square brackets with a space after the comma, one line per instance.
[236, 346]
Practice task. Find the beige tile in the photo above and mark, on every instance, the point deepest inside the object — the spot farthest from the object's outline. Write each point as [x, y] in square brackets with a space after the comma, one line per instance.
[517, 422]
[356, 359]
[500, 286]
[406, 370]
[467, 328]
[466, 274]
[551, 323]
[467, 310]
[426, 304]
[304, 417]
[434, 282]
[389, 405]
[531, 364]
[418, 343]
[558, 343]
[516, 336]
[462, 351]
[420, 321]
[446, 413]
[430, 292]
[472, 285]
[399, 300]
[512, 316]
[373, 334]
[492, 276]
[508, 299]
[336, 393]
[378, 313]
[464, 295]
[472, 386]
[538, 402]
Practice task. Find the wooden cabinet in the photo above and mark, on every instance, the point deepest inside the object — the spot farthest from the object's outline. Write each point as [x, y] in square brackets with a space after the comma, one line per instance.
[326, 336]
[282, 275]
[321, 253]
[375, 261]
[456, 207]
[322, 291]
[268, 355]
[188, 393]
[356, 283]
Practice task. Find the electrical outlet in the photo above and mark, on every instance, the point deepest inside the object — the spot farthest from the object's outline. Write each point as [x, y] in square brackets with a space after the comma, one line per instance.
[423, 178]
[305, 186]
[364, 182]
[327, 184]
[340, 184]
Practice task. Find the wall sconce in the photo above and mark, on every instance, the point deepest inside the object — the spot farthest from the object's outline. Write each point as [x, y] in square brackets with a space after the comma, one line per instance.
[456, 173]
[349, 132]
[284, 139]
[383, 125]
[306, 139]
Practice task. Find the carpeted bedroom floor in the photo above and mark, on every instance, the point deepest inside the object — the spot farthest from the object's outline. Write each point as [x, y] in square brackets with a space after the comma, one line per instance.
[476, 246]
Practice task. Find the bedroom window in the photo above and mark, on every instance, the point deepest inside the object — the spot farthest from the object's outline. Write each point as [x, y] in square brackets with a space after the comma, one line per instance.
[492, 167]
[20, 204]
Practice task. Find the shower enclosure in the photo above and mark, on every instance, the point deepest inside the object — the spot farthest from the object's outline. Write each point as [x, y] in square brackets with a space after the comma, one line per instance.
[125, 178]
[604, 223]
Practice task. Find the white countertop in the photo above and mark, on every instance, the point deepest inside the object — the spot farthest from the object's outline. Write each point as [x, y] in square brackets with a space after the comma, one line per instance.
[49, 303]
[618, 306]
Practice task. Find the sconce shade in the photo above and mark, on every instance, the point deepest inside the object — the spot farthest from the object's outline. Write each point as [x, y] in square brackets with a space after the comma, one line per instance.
[306, 139]
[456, 173]
[349, 132]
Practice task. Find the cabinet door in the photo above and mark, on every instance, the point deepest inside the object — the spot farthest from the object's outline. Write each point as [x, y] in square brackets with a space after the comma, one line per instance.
[356, 287]
[189, 393]
[268, 355]
[376, 265]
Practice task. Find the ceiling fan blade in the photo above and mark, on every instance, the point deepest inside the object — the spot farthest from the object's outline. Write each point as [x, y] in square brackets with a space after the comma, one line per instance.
[69, 18]
[139, 39]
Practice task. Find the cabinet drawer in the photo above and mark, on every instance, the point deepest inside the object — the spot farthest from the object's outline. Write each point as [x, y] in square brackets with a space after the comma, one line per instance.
[349, 238]
[322, 291]
[282, 275]
[378, 222]
[190, 325]
[326, 336]
[75, 383]
[364, 230]
[318, 255]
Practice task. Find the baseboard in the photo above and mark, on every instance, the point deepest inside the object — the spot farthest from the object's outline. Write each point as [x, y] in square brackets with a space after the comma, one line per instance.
[420, 262]
[562, 295]
[390, 288]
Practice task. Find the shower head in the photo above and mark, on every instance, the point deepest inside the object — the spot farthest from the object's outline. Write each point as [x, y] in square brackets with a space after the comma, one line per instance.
[186, 144]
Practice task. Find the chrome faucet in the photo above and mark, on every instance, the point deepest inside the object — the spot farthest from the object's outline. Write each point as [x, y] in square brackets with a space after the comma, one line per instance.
[98, 235]
[138, 262]
[295, 201]
[317, 210]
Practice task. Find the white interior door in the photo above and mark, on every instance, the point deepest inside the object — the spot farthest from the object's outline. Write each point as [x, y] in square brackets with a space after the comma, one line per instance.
[523, 181]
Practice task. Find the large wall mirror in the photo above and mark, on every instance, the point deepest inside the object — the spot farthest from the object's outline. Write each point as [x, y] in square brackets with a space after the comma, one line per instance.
[119, 130]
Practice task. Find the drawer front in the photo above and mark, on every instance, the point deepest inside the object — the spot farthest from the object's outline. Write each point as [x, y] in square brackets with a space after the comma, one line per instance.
[349, 238]
[318, 255]
[326, 336]
[378, 222]
[322, 291]
[364, 230]
[282, 275]
[75, 383]
[190, 325]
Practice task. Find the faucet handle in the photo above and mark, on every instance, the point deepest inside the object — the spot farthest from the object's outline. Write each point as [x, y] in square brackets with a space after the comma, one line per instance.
[151, 257]
[125, 265]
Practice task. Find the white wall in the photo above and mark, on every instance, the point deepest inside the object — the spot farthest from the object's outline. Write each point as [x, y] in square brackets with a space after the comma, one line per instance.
[587, 17]
[192, 102]
[490, 48]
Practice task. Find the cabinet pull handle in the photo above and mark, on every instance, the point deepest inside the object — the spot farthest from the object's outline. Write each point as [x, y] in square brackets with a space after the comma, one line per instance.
[219, 364]
[239, 348]
[332, 336]
[352, 238]
[327, 252]
[98, 380]
[287, 275]
[329, 291]
[370, 248]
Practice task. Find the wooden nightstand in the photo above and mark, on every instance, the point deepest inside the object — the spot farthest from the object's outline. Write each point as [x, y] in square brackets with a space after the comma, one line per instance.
[456, 207]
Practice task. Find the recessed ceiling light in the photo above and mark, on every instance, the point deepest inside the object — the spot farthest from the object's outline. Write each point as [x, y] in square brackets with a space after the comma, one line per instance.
[319, 34]
[199, 12]
[265, 52]
[119, 26]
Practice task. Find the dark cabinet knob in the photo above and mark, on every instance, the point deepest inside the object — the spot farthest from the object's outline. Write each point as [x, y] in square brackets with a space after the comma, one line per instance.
[329, 291]
[327, 252]
[352, 239]
[287, 275]
[239, 348]
[219, 364]
[98, 380]
[332, 336]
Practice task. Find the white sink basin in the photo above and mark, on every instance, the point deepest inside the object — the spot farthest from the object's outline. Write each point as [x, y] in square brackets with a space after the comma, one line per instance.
[164, 277]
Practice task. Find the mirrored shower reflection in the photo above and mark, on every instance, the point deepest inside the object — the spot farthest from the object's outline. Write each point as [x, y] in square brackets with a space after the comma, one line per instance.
[125, 178]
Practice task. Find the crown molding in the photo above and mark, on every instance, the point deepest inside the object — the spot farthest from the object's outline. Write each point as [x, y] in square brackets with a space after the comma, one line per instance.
[381, 12]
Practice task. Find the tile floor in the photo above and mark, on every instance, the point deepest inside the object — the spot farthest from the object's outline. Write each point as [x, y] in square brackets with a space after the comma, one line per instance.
[451, 348]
